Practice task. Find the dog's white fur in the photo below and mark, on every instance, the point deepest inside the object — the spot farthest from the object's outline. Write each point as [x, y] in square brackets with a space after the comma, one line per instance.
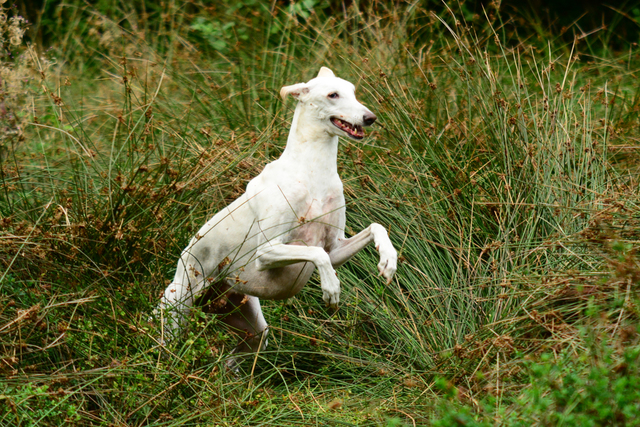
[291, 220]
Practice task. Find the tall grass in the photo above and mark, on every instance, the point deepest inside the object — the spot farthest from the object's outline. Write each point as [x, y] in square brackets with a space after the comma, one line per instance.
[499, 166]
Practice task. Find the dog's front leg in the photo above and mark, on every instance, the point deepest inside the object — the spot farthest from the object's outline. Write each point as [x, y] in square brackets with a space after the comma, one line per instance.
[274, 255]
[344, 249]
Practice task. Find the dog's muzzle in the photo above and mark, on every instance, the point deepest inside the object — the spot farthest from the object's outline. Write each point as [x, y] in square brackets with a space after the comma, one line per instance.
[354, 131]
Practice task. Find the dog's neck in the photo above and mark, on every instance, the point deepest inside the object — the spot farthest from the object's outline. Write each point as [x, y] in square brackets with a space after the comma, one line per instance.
[309, 147]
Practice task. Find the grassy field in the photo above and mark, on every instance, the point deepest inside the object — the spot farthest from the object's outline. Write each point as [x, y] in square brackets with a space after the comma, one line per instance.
[503, 163]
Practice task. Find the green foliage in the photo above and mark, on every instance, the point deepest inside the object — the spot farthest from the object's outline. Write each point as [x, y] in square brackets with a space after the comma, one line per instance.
[231, 24]
[33, 406]
[586, 391]
[216, 34]
[593, 387]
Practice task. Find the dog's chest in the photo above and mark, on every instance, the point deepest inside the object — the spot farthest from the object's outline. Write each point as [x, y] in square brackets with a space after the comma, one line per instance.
[297, 206]
[318, 221]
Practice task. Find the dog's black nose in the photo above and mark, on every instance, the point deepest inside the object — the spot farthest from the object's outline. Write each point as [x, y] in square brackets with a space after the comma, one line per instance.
[369, 118]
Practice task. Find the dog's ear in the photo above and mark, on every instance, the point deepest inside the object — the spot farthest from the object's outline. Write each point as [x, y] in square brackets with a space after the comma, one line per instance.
[325, 72]
[294, 90]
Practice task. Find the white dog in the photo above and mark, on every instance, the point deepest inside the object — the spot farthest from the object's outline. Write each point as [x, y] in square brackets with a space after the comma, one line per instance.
[290, 221]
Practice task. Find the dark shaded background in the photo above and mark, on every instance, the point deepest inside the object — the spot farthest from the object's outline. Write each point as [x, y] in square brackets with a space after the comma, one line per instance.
[567, 19]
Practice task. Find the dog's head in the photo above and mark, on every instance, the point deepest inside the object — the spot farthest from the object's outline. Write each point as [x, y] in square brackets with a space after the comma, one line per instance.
[334, 104]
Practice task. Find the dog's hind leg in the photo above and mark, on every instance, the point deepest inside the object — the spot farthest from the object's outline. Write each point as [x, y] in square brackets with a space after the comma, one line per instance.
[243, 315]
[180, 295]
[248, 319]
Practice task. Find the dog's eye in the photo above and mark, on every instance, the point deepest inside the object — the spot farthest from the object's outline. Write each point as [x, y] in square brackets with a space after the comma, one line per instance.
[333, 95]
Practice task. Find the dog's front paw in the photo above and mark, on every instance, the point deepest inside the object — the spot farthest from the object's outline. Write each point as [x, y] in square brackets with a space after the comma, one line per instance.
[331, 291]
[388, 263]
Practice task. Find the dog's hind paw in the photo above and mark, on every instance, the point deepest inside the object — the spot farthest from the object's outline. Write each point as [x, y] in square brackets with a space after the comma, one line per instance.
[232, 367]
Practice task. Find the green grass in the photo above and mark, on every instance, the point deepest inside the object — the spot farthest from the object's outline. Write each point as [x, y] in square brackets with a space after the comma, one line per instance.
[502, 164]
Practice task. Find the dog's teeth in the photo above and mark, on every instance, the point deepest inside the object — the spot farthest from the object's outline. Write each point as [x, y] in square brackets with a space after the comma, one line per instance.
[350, 128]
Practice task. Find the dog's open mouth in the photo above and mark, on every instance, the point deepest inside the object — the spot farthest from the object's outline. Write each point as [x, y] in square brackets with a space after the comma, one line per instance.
[354, 131]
